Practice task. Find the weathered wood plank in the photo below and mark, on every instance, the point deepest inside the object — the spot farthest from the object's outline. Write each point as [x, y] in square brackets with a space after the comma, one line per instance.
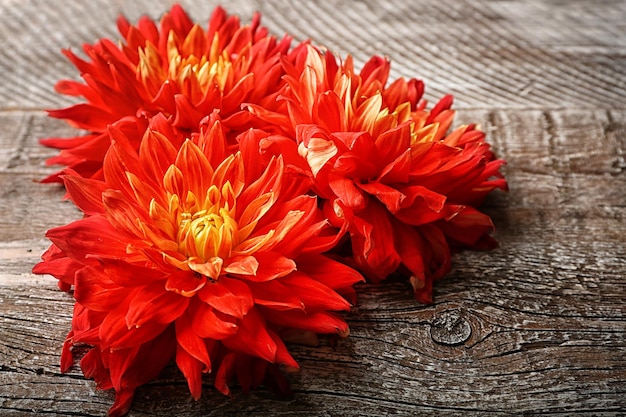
[390, 359]
[496, 54]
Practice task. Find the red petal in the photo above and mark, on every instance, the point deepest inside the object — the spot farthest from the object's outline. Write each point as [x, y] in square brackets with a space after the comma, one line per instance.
[242, 265]
[272, 265]
[122, 403]
[237, 95]
[282, 354]
[331, 273]
[230, 296]
[192, 370]
[470, 228]
[93, 368]
[58, 265]
[398, 170]
[389, 196]
[270, 181]
[411, 247]
[85, 193]
[115, 334]
[84, 116]
[421, 206]
[212, 139]
[253, 338]
[209, 324]
[146, 364]
[154, 304]
[67, 358]
[328, 112]
[117, 162]
[224, 373]
[346, 190]
[318, 322]
[373, 249]
[187, 116]
[193, 344]
[195, 168]
[128, 275]
[122, 214]
[185, 283]
[314, 295]
[274, 295]
[156, 153]
[96, 291]
[393, 143]
[444, 104]
[89, 237]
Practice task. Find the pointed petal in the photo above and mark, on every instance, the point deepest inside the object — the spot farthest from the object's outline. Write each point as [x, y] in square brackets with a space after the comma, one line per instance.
[192, 371]
[328, 272]
[314, 294]
[89, 237]
[85, 193]
[274, 295]
[253, 338]
[195, 168]
[193, 344]
[318, 322]
[156, 153]
[225, 373]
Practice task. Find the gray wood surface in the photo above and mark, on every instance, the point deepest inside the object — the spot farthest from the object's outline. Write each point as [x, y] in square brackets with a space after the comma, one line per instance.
[537, 326]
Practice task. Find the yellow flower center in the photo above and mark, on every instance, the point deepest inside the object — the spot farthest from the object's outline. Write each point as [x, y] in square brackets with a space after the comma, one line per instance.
[207, 234]
[187, 64]
[197, 230]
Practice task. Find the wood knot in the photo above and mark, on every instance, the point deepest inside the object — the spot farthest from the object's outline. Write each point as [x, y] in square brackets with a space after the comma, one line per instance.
[450, 328]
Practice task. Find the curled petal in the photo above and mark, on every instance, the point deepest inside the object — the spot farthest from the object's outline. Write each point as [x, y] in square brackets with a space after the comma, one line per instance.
[210, 324]
[242, 265]
[185, 283]
[229, 296]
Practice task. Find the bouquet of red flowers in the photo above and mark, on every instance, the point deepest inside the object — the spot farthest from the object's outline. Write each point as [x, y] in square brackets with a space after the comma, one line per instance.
[234, 189]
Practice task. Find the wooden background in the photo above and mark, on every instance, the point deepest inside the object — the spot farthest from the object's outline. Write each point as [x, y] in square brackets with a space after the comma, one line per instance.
[537, 326]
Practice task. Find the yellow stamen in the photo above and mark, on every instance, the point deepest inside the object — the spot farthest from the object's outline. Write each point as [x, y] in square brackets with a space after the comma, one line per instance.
[187, 65]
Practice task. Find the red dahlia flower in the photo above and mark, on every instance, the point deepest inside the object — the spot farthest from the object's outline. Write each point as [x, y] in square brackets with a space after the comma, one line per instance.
[385, 165]
[177, 69]
[196, 255]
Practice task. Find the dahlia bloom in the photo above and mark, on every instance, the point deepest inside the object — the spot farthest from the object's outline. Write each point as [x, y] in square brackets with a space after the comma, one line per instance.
[195, 254]
[406, 187]
[175, 68]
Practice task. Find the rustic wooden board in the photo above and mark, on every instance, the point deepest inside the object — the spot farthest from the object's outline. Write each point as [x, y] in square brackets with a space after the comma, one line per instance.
[537, 326]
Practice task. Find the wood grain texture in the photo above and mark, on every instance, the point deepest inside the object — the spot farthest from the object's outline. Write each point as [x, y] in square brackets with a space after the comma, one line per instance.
[545, 310]
[494, 54]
